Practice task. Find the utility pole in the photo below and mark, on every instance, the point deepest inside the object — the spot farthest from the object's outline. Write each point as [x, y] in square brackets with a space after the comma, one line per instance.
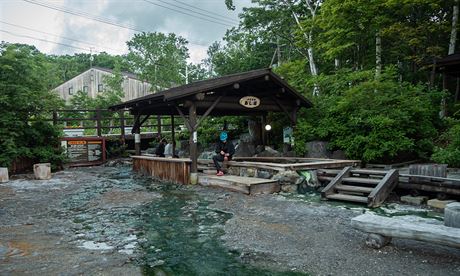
[91, 57]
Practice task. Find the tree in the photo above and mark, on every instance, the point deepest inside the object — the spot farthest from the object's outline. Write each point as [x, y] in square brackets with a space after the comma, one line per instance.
[158, 58]
[25, 96]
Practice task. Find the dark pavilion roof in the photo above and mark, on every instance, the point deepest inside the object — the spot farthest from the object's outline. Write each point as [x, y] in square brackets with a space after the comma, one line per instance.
[274, 93]
[449, 64]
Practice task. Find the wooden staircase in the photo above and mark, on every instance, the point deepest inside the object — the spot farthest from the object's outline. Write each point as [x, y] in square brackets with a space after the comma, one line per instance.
[371, 187]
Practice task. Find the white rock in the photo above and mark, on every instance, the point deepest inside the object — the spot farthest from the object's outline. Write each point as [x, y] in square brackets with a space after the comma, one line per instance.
[42, 171]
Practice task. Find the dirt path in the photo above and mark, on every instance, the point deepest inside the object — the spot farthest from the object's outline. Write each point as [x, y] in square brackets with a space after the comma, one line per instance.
[87, 221]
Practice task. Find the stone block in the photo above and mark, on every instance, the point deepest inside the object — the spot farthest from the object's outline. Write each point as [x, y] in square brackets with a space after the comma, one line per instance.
[452, 215]
[4, 175]
[439, 204]
[42, 171]
[233, 170]
[263, 174]
[288, 177]
[289, 188]
[414, 200]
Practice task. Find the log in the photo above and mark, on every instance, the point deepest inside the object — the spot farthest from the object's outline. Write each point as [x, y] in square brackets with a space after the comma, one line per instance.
[4, 175]
[421, 229]
[42, 171]
[452, 215]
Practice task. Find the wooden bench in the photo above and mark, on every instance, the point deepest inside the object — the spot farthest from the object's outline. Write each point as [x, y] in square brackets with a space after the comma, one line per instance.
[382, 229]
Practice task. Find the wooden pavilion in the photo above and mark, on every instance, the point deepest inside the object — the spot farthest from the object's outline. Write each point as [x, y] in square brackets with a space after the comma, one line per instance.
[253, 93]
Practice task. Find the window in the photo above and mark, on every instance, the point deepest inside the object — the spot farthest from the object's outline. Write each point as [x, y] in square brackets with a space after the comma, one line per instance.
[85, 89]
[100, 88]
[71, 90]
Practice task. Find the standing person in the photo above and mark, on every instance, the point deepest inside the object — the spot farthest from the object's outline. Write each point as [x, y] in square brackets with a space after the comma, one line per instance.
[169, 150]
[224, 150]
[160, 151]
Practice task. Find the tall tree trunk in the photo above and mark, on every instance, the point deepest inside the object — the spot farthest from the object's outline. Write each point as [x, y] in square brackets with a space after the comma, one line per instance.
[378, 55]
[311, 59]
[453, 32]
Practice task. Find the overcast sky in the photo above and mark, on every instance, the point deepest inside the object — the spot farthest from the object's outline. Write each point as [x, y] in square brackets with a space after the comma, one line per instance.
[43, 24]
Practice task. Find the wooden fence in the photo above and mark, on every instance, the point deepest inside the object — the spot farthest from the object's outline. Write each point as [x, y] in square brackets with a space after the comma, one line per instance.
[103, 122]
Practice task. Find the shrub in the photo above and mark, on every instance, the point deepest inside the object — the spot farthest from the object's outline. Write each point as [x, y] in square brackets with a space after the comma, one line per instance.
[449, 150]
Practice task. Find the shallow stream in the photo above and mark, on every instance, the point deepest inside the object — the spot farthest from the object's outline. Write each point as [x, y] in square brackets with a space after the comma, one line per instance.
[176, 233]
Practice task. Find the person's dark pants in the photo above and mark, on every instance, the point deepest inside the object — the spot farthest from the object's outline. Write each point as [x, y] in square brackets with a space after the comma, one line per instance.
[218, 158]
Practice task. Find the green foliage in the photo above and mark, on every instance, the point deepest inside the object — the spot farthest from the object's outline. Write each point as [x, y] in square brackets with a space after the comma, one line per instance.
[211, 128]
[370, 120]
[159, 58]
[25, 96]
[449, 150]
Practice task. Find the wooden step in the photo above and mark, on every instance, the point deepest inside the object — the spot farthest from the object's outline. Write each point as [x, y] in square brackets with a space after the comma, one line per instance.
[361, 180]
[246, 185]
[353, 198]
[369, 172]
[355, 189]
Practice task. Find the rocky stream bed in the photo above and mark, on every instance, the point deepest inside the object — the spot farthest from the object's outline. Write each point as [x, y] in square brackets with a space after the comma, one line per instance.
[109, 221]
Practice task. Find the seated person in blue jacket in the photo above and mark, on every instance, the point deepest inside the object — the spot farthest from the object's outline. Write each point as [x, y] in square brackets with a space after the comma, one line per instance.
[224, 150]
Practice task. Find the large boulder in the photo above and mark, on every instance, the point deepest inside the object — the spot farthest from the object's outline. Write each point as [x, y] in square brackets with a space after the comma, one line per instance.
[206, 155]
[318, 149]
[269, 152]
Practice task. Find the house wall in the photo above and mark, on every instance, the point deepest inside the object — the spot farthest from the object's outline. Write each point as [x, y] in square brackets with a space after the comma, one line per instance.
[90, 81]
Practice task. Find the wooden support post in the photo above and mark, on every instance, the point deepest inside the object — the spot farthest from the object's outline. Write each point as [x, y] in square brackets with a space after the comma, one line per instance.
[264, 133]
[98, 123]
[193, 137]
[121, 114]
[173, 135]
[137, 135]
[159, 126]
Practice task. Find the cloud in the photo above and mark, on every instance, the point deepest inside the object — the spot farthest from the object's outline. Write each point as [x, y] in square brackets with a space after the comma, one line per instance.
[139, 14]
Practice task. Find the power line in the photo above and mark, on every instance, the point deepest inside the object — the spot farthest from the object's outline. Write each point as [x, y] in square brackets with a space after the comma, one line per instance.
[95, 18]
[231, 21]
[193, 7]
[45, 40]
[182, 12]
[63, 37]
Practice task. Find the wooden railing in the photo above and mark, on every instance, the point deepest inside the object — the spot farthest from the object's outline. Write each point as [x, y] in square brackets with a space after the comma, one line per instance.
[103, 122]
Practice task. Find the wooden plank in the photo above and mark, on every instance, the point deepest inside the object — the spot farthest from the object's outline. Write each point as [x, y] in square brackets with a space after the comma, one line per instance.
[361, 180]
[355, 189]
[247, 181]
[162, 159]
[177, 172]
[329, 189]
[369, 172]
[344, 197]
[398, 228]
[429, 188]
[206, 180]
[383, 189]
[439, 170]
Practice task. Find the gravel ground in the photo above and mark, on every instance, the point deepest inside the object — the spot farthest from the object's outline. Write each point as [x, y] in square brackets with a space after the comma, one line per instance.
[274, 231]
[80, 222]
